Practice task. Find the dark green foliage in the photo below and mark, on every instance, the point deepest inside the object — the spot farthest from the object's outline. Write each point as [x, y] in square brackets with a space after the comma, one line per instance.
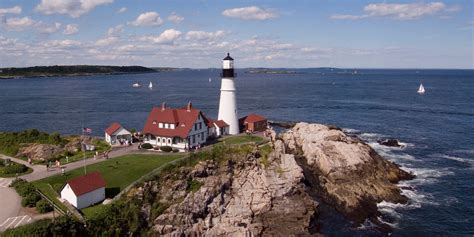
[72, 70]
[175, 150]
[62, 226]
[166, 148]
[146, 146]
[193, 185]
[14, 168]
[30, 199]
[22, 187]
[43, 206]
[10, 142]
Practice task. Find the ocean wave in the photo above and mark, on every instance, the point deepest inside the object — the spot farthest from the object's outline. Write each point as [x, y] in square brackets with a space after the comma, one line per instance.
[350, 130]
[459, 159]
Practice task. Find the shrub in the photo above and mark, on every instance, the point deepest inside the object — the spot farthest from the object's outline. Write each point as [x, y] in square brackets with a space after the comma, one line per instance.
[166, 148]
[23, 188]
[42, 206]
[193, 185]
[175, 150]
[146, 146]
[15, 168]
[30, 200]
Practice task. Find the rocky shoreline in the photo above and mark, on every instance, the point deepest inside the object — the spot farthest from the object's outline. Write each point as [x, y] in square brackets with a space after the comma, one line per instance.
[272, 189]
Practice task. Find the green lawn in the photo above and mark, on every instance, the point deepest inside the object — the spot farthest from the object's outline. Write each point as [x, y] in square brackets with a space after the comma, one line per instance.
[118, 173]
[231, 140]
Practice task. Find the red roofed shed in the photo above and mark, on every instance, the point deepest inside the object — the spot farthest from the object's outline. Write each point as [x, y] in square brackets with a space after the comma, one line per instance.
[83, 191]
[253, 123]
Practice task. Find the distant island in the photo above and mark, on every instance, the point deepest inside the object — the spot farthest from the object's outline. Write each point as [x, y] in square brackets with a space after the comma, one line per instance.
[71, 70]
[271, 71]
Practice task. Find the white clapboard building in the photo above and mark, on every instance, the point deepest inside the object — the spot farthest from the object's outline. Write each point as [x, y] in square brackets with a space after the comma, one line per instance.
[84, 191]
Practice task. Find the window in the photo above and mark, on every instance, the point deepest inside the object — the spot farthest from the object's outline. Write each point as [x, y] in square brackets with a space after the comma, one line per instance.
[193, 139]
[169, 140]
[163, 140]
[195, 126]
[154, 122]
[172, 126]
[160, 125]
[166, 125]
[200, 125]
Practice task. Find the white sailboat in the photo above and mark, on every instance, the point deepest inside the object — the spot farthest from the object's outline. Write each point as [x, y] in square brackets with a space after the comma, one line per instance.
[421, 90]
[136, 84]
[150, 85]
[210, 79]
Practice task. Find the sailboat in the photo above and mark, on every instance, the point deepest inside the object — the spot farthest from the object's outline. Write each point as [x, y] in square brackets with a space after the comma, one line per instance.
[421, 90]
[150, 85]
[136, 84]
[210, 79]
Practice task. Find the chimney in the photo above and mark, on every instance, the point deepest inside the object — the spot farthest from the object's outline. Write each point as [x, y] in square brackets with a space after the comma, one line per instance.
[189, 106]
[163, 106]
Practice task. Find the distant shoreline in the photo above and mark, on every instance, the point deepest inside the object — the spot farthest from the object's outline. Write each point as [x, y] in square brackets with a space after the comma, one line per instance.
[73, 71]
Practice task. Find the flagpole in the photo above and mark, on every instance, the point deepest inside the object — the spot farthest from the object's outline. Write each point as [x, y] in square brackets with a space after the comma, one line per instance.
[84, 151]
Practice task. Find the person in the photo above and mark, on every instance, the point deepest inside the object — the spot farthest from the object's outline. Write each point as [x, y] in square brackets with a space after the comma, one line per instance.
[63, 170]
[47, 166]
[67, 159]
[29, 160]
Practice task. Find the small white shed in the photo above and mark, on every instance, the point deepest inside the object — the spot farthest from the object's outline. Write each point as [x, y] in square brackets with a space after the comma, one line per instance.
[222, 128]
[84, 191]
[115, 134]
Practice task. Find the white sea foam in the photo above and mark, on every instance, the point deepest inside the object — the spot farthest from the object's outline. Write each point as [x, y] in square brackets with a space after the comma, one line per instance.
[459, 159]
[350, 130]
[370, 136]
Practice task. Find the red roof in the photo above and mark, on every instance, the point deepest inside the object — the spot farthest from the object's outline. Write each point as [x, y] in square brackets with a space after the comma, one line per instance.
[221, 123]
[113, 128]
[183, 119]
[252, 118]
[86, 183]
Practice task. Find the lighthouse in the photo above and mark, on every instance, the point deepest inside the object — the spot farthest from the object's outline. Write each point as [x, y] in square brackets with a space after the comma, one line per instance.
[228, 102]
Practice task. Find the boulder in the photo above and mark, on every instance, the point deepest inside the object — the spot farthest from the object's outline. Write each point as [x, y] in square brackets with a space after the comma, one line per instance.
[390, 142]
[40, 152]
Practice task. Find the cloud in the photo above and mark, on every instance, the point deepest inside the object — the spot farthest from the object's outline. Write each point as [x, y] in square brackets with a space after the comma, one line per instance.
[73, 8]
[175, 18]
[406, 11]
[115, 31]
[71, 29]
[47, 28]
[122, 10]
[17, 24]
[250, 13]
[203, 35]
[11, 10]
[167, 37]
[147, 19]
[106, 41]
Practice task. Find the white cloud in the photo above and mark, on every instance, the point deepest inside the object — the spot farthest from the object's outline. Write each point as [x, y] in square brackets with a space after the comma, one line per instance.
[73, 8]
[147, 19]
[250, 13]
[106, 41]
[46, 28]
[62, 44]
[115, 31]
[406, 11]
[122, 10]
[11, 10]
[71, 29]
[167, 37]
[17, 24]
[347, 17]
[175, 18]
[203, 35]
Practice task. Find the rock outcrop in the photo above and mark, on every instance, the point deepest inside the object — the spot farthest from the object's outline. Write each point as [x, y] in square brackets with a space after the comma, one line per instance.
[271, 192]
[349, 174]
[390, 142]
[40, 152]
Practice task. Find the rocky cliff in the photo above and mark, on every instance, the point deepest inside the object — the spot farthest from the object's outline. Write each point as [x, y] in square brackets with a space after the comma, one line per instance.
[268, 190]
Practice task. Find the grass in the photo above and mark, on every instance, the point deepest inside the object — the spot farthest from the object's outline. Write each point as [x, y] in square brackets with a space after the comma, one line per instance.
[232, 140]
[118, 174]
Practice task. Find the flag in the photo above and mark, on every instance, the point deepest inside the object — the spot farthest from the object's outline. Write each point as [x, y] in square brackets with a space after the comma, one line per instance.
[87, 130]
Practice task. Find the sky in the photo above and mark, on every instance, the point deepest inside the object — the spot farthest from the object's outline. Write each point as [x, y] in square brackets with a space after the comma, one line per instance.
[198, 34]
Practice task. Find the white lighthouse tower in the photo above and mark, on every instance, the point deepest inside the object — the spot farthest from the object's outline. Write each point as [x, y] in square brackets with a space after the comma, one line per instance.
[228, 102]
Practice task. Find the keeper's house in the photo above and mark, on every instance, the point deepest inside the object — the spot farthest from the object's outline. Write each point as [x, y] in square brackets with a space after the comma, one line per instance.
[178, 128]
[84, 191]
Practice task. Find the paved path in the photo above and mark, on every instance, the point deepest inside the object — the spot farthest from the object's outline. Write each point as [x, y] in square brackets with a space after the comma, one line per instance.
[10, 208]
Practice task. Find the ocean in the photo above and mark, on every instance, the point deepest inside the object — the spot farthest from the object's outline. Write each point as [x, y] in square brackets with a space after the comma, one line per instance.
[437, 127]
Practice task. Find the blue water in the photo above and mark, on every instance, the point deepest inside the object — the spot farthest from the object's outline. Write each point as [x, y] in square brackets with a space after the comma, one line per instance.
[437, 127]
